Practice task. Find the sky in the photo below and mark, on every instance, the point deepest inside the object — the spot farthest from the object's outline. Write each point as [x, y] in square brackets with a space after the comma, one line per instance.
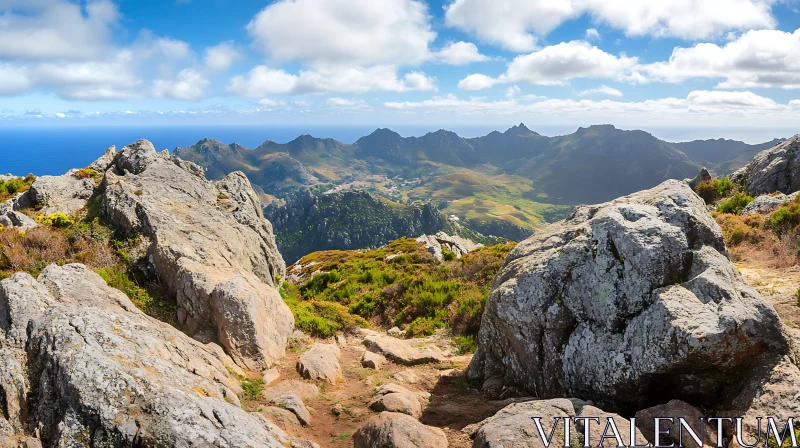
[694, 64]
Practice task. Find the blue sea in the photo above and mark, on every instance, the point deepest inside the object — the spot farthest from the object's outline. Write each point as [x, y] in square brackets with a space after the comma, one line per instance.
[55, 150]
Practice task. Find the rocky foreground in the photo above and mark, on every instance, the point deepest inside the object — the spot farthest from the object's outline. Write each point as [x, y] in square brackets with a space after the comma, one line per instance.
[628, 308]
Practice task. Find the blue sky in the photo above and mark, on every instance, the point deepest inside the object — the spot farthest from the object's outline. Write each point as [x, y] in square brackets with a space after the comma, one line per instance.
[651, 63]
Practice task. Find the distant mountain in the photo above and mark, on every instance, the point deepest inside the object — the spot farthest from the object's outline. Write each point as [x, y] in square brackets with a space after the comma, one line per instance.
[517, 176]
[723, 156]
[309, 222]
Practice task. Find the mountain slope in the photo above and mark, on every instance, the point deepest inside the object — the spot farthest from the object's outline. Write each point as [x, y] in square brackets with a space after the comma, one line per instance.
[722, 156]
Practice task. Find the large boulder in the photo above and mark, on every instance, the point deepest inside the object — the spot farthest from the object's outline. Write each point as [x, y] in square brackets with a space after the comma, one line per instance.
[209, 244]
[395, 430]
[321, 362]
[437, 244]
[771, 170]
[66, 194]
[764, 204]
[628, 304]
[401, 351]
[513, 426]
[96, 368]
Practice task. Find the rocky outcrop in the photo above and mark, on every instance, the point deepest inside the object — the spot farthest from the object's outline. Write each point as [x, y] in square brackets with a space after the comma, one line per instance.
[209, 244]
[105, 161]
[11, 218]
[702, 176]
[401, 351]
[96, 368]
[772, 170]
[628, 304]
[395, 430]
[437, 244]
[60, 194]
[321, 362]
[764, 204]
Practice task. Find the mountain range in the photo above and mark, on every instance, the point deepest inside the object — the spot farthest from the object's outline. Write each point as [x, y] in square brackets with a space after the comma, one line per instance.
[518, 176]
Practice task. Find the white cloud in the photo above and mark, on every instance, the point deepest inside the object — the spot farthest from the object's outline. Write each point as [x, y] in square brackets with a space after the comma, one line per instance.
[602, 90]
[516, 24]
[557, 64]
[512, 91]
[267, 102]
[57, 29]
[359, 32]
[762, 58]
[13, 80]
[592, 34]
[698, 105]
[189, 85]
[263, 80]
[477, 81]
[460, 53]
[342, 103]
[221, 57]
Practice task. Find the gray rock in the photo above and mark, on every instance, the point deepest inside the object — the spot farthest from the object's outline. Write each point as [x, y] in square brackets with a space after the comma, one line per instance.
[513, 426]
[703, 175]
[401, 351]
[209, 245]
[285, 419]
[105, 161]
[295, 405]
[321, 362]
[104, 369]
[442, 241]
[624, 300]
[764, 204]
[60, 194]
[395, 430]
[645, 422]
[596, 430]
[10, 218]
[372, 360]
[393, 398]
[302, 389]
[270, 376]
[774, 169]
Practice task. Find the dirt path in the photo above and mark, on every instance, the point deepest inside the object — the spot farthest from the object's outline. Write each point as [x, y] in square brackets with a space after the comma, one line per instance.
[779, 286]
[453, 404]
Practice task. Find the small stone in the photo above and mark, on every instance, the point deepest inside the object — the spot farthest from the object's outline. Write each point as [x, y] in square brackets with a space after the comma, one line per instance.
[394, 331]
[341, 341]
[337, 409]
[372, 360]
[321, 362]
[294, 404]
[270, 376]
[395, 430]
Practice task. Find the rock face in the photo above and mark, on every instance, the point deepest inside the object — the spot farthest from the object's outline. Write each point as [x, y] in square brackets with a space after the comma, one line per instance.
[775, 169]
[209, 244]
[440, 242]
[99, 369]
[321, 362]
[628, 304]
[395, 430]
[764, 204]
[60, 194]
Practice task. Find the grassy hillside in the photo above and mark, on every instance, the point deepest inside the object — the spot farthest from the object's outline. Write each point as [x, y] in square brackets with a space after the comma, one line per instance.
[400, 284]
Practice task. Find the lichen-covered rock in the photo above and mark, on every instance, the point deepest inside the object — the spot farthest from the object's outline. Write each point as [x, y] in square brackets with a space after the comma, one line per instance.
[210, 246]
[514, 427]
[321, 362]
[774, 169]
[60, 194]
[103, 370]
[401, 351]
[395, 430]
[437, 244]
[764, 204]
[625, 304]
[393, 398]
[104, 161]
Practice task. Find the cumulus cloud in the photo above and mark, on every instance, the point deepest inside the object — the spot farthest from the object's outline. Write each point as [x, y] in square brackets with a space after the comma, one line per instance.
[263, 80]
[557, 64]
[56, 29]
[698, 105]
[602, 90]
[13, 80]
[342, 103]
[188, 85]
[517, 24]
[761, 58]
[359, 32]
[460, 53]
[267, 102]
[221, 57]
[592, 34]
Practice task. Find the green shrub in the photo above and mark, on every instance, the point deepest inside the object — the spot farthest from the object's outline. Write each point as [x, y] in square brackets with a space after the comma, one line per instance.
[448, 255]
[786, 217]
[714, 189]
[252, 388]
[58, 219]
[735, 204]
[154, 305]
[87, 173]
[465, 344]
[424, 326]
[16, 185]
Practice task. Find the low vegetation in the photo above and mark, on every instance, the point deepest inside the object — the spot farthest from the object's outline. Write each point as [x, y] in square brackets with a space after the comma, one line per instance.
[62, 239]
[735, 204]
[714, 189]
[399, 284]
[9, 188]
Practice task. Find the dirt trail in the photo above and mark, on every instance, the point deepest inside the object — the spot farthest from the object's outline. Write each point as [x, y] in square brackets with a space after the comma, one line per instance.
[778, 286]
[453, 404]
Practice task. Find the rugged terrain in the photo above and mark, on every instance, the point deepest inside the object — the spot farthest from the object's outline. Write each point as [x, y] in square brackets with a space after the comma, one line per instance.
[145, 305]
